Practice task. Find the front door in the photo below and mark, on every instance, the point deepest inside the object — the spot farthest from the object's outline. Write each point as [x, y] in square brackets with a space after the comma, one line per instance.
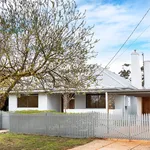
[146, 105]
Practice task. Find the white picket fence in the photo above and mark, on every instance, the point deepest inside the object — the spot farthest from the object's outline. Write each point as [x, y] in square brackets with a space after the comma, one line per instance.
[126, 127]
[4, 120]
[83, 125]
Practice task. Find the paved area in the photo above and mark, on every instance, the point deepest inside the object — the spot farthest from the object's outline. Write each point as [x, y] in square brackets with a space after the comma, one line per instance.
[114, 145]
[3, 131]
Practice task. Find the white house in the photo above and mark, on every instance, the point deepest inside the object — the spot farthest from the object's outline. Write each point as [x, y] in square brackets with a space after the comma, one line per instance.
[113, 93]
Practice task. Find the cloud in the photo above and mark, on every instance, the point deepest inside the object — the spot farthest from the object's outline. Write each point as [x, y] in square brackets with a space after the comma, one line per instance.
[114, 21]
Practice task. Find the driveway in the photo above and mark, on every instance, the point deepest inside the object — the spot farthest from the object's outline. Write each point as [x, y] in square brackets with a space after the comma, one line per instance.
[107, 144]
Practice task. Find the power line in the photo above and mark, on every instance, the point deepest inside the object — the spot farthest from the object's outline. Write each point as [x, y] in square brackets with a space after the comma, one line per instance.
[126, 40]
[131, 44]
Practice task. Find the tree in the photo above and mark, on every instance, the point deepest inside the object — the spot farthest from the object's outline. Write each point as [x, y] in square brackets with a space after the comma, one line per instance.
[44, 44]
[125, 72]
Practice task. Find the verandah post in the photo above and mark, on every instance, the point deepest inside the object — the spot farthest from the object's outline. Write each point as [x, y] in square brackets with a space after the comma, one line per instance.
[107, 110]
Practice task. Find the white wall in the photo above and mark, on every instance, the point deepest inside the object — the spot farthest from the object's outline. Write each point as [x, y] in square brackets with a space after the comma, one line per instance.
[146, 74]
[42, 101]
[136, 75]
[80, 106]
[133, 109]
[134, 104]
[12, 102]
[45, 102]
[80, 101]
[139, 106]
[54, 102]
[119, 102]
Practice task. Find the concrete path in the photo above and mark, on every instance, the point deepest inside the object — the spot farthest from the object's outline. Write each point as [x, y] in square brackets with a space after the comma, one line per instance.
[3, 131]
[115, 145]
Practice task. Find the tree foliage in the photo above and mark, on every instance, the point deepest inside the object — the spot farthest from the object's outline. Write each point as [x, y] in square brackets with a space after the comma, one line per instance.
[125, 72]
[44, 44]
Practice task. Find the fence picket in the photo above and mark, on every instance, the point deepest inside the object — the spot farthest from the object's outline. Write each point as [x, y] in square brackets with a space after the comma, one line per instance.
[82, 125]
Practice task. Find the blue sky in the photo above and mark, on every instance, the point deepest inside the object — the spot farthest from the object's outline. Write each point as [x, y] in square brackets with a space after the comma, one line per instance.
[114, 20]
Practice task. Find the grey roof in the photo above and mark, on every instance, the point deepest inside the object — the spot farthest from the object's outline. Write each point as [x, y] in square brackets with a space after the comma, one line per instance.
[108, 81]
[111, 80]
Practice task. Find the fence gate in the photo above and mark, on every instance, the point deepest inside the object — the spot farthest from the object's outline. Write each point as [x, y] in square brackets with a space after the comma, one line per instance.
[127, 127]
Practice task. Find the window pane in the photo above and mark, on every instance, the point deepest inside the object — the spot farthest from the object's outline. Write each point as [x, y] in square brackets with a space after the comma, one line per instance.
[71, 104]
[88, 101]
[70, 101]
[22, 101]
[95, 100]
[33, 101]
[28, 101]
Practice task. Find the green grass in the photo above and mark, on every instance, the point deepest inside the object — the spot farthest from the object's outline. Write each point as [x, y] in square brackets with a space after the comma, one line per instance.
[10, 141]
[40, 111]
[34, 111]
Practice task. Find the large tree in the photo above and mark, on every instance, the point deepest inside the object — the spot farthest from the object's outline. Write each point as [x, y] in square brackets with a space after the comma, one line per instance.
[126, 73]
[44, 44]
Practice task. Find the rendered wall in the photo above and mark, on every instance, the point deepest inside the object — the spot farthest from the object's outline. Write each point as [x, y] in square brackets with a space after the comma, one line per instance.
[147, 74]
[54, 102]
[42, 103]
[119, 102]
[136, 74]
[133, 105]
[80, 101]
[12, 102]
[139, 106]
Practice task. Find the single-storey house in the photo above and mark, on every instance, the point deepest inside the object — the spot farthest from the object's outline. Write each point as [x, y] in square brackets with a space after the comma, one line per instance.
[114, 94]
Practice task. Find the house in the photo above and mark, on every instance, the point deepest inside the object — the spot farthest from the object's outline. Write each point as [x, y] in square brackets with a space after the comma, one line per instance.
[113, 94]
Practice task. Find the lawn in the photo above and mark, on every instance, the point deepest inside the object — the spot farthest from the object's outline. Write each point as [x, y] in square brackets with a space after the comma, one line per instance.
[34, 111]
[10, 141]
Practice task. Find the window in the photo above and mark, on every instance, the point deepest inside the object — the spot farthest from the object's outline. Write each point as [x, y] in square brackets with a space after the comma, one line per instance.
[95, 101]
[28, 101]
[70, 103]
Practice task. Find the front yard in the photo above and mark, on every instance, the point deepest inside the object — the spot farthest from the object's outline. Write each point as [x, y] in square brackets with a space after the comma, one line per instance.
[37, 142]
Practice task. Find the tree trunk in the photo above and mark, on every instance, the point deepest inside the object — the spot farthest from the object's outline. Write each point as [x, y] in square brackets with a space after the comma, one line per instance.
[3, 98]
[65, 101]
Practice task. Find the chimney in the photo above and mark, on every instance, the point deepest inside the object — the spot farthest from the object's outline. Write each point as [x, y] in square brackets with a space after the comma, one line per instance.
[136, 75]
[147, 74]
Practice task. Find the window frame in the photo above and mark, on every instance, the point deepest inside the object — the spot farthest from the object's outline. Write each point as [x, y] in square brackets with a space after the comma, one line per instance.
[27, 101]
[95, 95]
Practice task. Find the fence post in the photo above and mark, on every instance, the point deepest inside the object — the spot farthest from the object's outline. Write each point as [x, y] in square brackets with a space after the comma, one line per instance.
[60, 127]
[107, 123]
[9, 122]
[46, 122]
[129, 124]
[28, 122]
[93, 122]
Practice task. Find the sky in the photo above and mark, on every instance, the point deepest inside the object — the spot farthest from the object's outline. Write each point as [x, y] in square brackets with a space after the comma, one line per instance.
[113, 21]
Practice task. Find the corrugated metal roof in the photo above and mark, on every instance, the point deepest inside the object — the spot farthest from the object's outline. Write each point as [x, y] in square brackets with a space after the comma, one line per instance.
[108, 81]
[111, 80]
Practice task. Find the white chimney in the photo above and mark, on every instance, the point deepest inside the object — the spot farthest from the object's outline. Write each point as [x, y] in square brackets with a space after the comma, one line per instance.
[136, 75]
[147, 74]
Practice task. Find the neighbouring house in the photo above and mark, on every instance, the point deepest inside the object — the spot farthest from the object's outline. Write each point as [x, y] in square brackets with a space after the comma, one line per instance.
[114, 94]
